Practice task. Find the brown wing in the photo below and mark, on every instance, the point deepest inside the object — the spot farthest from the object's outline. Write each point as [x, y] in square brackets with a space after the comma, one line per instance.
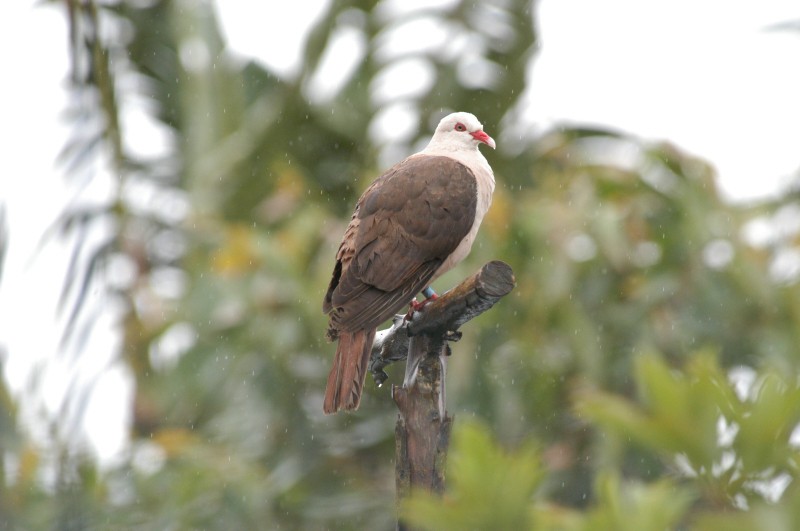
[405, 225]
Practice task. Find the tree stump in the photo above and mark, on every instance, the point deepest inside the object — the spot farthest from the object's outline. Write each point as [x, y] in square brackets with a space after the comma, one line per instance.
[422, 432]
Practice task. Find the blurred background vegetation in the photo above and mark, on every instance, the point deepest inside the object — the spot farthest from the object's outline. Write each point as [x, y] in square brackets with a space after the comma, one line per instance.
[644, 374]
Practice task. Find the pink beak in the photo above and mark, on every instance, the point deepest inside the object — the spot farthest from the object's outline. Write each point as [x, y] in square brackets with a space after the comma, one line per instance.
[480, 136]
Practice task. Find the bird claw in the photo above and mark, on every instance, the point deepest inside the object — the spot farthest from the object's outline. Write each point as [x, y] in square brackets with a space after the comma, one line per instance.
[416, 306]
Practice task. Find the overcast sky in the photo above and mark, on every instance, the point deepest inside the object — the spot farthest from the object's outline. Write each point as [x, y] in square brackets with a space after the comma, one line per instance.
[713, 76]
[709, 75]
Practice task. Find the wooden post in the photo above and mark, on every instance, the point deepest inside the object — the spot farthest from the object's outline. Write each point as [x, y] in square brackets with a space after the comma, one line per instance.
[422, 432]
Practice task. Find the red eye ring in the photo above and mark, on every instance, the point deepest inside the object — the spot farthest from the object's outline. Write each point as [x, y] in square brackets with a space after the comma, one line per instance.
[460, 127]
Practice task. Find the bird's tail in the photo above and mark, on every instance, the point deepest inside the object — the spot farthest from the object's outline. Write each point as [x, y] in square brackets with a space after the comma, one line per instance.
[346, 379]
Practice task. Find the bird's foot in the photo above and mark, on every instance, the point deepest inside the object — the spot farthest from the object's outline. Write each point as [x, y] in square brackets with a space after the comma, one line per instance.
[417, 306]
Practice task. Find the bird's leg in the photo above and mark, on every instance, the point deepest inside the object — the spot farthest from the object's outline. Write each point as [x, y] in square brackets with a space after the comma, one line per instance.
[430, 295]
[416, 306]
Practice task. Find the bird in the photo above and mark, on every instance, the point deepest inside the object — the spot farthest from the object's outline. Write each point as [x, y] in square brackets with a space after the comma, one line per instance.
[411, 225]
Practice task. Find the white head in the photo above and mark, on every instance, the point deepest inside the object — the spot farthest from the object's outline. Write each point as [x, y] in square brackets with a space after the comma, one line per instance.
[459, 131]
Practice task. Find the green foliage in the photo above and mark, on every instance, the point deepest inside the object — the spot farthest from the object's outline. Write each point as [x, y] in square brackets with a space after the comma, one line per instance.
[488, 487]
[676, 417]
[491, 488]
[783, 515]
[630, 506]
[733, 449]
[638, 300]
[678, 413]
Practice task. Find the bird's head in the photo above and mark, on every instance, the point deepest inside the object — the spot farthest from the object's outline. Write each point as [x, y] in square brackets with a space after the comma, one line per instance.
[461, 130]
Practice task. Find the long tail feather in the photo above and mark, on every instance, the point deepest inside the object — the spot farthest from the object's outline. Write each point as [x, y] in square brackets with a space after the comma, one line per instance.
[346, 379]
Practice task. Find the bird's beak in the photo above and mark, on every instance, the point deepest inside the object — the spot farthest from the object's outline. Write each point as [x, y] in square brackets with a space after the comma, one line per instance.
[480, 136]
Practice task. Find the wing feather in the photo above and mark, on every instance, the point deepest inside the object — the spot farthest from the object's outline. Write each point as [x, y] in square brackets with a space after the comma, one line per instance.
[404, 226]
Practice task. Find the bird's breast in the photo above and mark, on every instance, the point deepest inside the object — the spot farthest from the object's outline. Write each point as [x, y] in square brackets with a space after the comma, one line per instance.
[485, 188]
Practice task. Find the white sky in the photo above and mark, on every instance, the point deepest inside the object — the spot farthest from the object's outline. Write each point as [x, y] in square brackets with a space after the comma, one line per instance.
[33, 192]
[705, 74]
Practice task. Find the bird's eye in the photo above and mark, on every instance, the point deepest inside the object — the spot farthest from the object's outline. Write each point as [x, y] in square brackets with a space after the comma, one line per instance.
[460, 127]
